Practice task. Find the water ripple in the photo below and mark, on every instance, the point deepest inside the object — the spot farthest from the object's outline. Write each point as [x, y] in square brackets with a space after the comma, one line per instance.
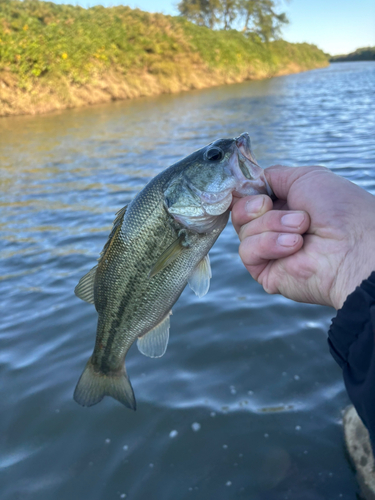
[247, 384]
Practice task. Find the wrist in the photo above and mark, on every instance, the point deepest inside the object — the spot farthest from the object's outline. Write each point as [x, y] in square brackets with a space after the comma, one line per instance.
[352, 280]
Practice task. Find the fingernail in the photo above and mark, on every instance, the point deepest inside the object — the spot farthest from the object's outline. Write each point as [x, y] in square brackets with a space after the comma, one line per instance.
[255, 205]
[287, 240]
[292, 220]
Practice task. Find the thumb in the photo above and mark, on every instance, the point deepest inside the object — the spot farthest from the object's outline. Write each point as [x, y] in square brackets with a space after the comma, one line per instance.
[282, 178]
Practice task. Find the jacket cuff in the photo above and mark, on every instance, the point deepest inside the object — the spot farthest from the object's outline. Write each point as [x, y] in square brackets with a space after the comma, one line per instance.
[351, 320]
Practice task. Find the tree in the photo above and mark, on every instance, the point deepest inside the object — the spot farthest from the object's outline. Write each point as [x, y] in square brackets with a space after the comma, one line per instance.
[261, 18]
[229, 12]
[202, 12]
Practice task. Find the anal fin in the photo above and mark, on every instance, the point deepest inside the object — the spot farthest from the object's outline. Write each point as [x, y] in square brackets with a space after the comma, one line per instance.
[154, 343]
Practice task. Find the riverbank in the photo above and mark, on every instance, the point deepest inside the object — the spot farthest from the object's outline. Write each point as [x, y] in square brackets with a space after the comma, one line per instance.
[362, 54]
[59, 56]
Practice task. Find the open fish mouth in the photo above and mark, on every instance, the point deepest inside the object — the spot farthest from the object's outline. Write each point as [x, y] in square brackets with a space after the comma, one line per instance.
[247, 178]
[243, 144]
[197, 204]
[244, 167]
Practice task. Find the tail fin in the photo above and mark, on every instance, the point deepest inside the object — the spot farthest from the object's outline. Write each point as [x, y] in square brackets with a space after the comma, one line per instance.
[93, 386]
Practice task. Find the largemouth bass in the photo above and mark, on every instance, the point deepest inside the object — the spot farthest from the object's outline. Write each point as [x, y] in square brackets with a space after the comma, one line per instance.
[158, 244]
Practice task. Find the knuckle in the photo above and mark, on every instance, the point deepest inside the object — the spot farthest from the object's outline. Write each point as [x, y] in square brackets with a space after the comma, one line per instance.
[266, 242]
[244, 253]
[244, 232]
[265, 281]
[248, 251]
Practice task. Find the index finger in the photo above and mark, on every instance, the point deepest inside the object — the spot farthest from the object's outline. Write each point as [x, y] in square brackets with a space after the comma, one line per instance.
[250, 208]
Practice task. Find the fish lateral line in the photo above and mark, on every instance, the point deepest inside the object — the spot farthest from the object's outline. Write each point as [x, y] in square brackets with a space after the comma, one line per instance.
[173, 221]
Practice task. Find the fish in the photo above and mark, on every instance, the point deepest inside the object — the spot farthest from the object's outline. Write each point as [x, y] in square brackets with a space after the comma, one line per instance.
[158, 244]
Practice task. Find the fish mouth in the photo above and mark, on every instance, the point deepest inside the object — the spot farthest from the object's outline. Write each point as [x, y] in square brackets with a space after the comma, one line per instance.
[250, 178]
[242, 177]
[245, 177]
[243, 144]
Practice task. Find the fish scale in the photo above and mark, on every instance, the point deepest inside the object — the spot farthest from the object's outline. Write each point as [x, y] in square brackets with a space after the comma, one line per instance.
[151, 255]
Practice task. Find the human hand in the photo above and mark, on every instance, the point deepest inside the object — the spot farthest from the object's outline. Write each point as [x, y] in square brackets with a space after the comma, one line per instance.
[315, 243]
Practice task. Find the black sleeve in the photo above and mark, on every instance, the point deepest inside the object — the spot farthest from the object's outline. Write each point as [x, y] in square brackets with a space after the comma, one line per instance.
[351, 339]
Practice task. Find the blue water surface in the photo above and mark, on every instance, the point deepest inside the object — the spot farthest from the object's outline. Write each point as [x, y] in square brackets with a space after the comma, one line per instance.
[247, 401]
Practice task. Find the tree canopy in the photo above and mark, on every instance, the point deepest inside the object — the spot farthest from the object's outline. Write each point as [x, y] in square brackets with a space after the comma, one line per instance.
[256, 16]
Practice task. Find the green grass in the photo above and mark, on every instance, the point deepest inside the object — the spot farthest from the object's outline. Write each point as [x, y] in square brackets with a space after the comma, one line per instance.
[232, 49]
[40, 38]
[45, 45]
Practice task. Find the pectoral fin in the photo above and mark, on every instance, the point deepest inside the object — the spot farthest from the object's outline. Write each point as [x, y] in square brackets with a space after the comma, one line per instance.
[168, 256]
[154, 343]
[199, 281]
[85, 288]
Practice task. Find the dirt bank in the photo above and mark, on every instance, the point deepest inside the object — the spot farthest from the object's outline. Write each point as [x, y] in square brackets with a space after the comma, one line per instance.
[55, 57]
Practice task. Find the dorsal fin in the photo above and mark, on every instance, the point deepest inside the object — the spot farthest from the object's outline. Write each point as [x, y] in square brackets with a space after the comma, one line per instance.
[85, 288]
[119, 215]
[115, 227]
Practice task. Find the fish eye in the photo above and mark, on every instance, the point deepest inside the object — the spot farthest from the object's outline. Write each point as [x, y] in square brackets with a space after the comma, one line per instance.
[214, 154]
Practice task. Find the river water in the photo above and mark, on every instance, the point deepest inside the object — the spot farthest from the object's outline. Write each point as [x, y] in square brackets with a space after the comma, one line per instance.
[247, 401]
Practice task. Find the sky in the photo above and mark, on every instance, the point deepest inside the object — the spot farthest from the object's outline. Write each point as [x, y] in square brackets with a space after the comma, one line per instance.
[335, 26]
